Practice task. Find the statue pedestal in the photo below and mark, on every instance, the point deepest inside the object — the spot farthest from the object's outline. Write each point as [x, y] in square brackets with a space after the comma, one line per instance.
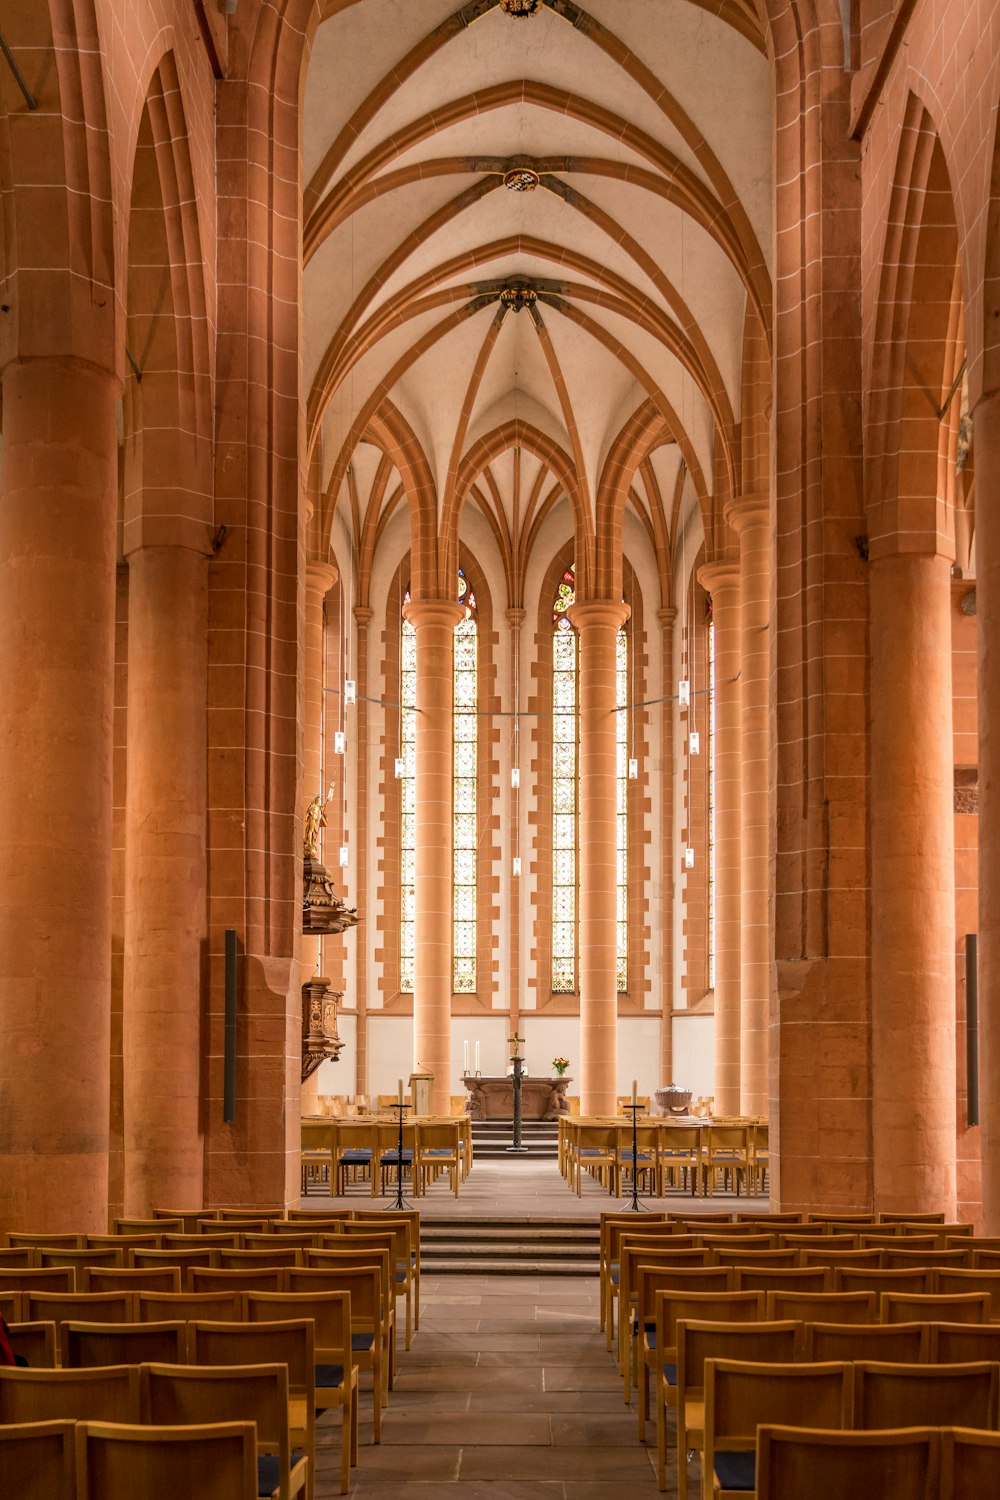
[493, 1098]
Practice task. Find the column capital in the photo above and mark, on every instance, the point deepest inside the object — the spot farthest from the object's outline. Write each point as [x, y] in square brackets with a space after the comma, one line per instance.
[744, 511]
[719, 577]
[363, 616]
[321, 576]
[591, 613]
[667, 615]
[516, 618]
[442, 612]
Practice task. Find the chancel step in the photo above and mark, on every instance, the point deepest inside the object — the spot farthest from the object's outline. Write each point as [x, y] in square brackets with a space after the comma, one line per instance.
[490, 1138]
[513, 1247]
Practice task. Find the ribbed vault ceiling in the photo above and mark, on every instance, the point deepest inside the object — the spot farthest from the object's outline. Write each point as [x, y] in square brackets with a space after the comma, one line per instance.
[611, 298]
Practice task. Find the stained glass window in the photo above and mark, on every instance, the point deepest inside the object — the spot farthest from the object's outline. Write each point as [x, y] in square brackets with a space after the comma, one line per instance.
[621, 808]
[565, 763]
[711, 805]
[465, 768]
[407, 798]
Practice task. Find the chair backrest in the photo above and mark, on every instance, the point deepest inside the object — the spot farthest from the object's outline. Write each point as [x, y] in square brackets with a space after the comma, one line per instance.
[122, 1343]
[37, 1279]
[242, 1260]
[736, 1255]
[891, 1238]
[219, 1279]
[290, 1341]
[896, 1342]
[80, 1258]
[329, 1311]
[895, 1218]
[753, 1341]
[739, 1237]
[441, 1135]
[826, 1307]
[865, 1279]
[949, 1280]
[917, 1395]
[154, 1307]
[19, 1258]
[345, 1260]
[902, 1255]
[105, 1394]
[970, 1462]
[217, 1461]
[125, 1242]
[292, 1237]
[38, 1461]
[300, 1221]
[10, 1306]
[250, 1216]
[955, 1343]
[48, 1241]
[180, 1218]
[35, 1343]
[799, 1241]
[132, 1279]
[960, 1307]
[223, 1239]
[364, 1283]
[795, 1463]
[818, 1255]
[160, 1223]
[85, 1307]
[740, 1396]
[754, 1278]
[670, 1308]
[171, 1395]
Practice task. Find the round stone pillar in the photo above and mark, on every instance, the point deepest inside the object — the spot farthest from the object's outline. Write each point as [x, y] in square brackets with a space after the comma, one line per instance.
[722, 580]
[668, 865]
[913, 884]
[58, 514]
[434, 624]
[165, 874]
[320, 578]
[987, 431]
[597, 623]
[749, 517]
[363, 616]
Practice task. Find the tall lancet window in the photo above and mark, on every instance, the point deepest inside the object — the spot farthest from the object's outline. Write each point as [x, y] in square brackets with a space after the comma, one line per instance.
[621, 754]
[711, 805]
[565, 767]
[407, 767]
[465, 774]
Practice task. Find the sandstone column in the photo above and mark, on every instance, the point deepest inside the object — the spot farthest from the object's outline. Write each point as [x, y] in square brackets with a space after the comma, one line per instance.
[515, 619]
[320, 578]
[57, 609]
[597, 622]
[165, 872]
[668, 854]
[434, 622]
[362, 618]
[722, 580]
[912, 873]
[987, 430]
[749, 517]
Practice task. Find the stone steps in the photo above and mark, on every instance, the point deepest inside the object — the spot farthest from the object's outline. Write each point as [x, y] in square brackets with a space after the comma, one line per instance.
[490, 1139]
[509, 1247]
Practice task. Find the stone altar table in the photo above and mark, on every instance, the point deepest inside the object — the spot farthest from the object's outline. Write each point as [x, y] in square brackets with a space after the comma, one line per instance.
[493, 1098]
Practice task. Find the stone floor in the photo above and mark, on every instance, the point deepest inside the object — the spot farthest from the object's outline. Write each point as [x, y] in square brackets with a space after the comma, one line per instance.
[508, 1393]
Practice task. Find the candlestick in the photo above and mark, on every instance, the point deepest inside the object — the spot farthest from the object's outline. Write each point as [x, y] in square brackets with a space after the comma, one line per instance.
[465, 1057]
[400, 1091]
[477, 1057]
[635, 1091]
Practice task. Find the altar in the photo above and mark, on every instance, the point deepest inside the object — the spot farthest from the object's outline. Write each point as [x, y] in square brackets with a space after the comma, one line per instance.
[493, 1098]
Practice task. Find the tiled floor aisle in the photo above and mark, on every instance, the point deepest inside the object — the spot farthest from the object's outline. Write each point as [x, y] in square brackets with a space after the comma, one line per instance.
[508, 1393]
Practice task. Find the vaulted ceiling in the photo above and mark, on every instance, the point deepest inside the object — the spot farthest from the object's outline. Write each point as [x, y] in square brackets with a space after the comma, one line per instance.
[538, 244]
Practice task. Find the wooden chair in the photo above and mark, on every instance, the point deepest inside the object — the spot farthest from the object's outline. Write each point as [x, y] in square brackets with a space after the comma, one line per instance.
[220, 1279]
[352, 1152]
[244, 1260]
[19, 1259]
[725, 1152]
[436, 1149]
[257, 1218]
[85, 1307]
[183, 1219]
[185, 1261]
[363, 1258]
[647, 1163]
[930, 1259]
[737, 1239]
[959, 1307]
[174, 1395]
[125, 1242]
[35, 1343]
[697, 1341]
[38, 1461]
[160, 1223]
[20, 1238]
[363, 1234]
[865, 1279]
[799, 1241]
[895, 1343]
[317, 1156]
[122, 1343]
[596, 1152]
[80, 1258]
[10, 1306]
[292, 1237]
[312, 1220]
[612, 1225]
[825, 1307]
[216, 1226]
[970, 1462]
[213, 1461]
[893, 1239]
[218, 1307]
[655, 1230]
[106, 1394]
[896, 1218]
[658, 1350]
[804, 1464]
[681, 1156]
[651, 1253]
[336, 1376]
[756, 1216]
[37, 1279]
[755, 1278]
[221, 1239]
[760, 1158]
[741, 1396]
[948, 1281]
[958, 1343]
[289, 1343]
[775, 1260]
[861, 1259]
[922, 1395]
[412, 1218]
[369, 1335]
[650, 1278]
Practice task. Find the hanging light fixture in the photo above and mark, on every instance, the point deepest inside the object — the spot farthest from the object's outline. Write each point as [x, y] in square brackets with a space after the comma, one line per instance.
[633, 768]
[520, 9]
[684, 692]
[343, 856]
[399, 768]
[339, 742]
[688, 857]
[515, 777]
[694, 742]
[350, 690]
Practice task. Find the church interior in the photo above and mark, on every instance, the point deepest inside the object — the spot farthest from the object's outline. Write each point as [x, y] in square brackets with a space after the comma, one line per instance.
[490, 545]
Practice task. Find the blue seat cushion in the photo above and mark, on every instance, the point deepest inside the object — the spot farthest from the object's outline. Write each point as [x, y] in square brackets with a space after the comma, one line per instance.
[362, 1341]
[670, 1374]
[736, 1471]
[329, 1375]
[355, 1158]
[438, 1151]
[269, 1471]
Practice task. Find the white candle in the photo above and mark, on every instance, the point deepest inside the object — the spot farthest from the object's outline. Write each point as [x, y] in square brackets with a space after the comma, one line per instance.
[465, 1057]
[477, 1057]
[635, 1091]
[400, 1091]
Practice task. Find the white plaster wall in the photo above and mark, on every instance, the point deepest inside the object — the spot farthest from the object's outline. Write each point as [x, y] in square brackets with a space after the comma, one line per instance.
[341, 1077]
[694, 1052]
[390, 1052]
[491, 1032]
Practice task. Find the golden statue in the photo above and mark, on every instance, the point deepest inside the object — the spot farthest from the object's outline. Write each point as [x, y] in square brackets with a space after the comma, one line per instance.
[315, 820]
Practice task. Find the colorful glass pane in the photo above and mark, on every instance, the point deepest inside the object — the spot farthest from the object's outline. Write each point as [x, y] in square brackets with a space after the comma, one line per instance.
[465, 765]
[407, 799]
[565, 730]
